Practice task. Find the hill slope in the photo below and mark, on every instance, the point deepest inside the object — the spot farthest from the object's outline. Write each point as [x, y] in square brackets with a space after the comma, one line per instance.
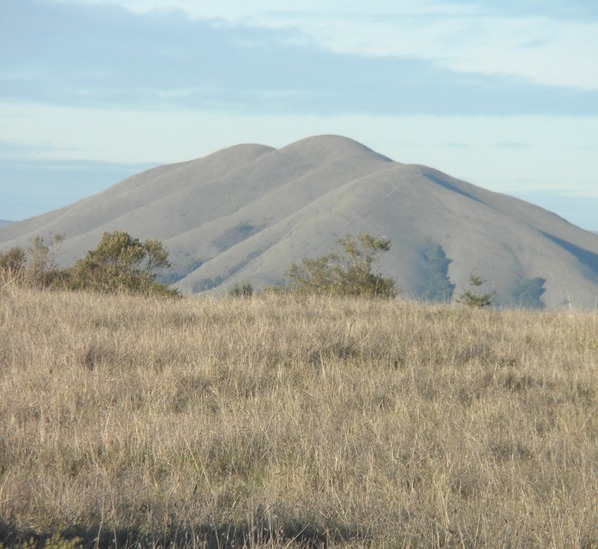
[246, 212]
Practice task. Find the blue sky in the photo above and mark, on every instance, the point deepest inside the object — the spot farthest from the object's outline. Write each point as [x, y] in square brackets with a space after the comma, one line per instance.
[501, 94]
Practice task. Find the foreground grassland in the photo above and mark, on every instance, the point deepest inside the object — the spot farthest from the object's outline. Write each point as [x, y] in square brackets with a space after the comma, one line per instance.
[285, 422]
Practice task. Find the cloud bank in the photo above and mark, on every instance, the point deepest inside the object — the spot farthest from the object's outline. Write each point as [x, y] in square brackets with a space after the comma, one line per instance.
[392, 62]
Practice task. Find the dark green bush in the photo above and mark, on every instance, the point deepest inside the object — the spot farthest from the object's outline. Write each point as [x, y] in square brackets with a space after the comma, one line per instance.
[241, 290]
[122, 263]
[348, 272]
[474, 297]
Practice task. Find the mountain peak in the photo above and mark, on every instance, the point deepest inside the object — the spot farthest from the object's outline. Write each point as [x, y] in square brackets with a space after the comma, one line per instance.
[242, 153]
[330, 146]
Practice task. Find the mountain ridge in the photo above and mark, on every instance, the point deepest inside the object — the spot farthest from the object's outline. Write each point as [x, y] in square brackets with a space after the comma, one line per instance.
[244, 213]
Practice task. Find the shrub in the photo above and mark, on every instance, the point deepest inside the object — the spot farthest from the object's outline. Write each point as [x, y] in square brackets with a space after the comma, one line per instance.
[122, 263]
[348, 272]
[12, 265]
[241, 290]
[42, 270]
[35, 266]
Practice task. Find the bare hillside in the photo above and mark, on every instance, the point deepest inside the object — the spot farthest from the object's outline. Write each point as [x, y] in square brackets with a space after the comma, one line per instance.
[246, 212]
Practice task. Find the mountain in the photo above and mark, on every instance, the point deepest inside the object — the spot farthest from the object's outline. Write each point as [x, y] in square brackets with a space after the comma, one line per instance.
[4, 222]
[244, 213]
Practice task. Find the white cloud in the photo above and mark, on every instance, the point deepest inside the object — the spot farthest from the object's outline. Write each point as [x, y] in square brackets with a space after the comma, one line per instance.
[546, 51]
[470, 38]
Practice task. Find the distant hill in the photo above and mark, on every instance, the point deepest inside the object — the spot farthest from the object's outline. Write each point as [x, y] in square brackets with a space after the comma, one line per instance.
[246, 212]
[4, 222]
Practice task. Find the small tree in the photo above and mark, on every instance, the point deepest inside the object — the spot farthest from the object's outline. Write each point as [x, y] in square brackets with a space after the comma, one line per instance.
[35, 266]
[121, 262]
[473, 297]
[42, 270]
[346, 273]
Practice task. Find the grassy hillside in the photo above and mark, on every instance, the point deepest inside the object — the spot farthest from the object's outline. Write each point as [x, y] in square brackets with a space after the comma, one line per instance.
[287, 423]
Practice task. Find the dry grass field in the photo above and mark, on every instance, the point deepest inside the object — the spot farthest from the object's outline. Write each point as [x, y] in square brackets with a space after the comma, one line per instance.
[285, 422]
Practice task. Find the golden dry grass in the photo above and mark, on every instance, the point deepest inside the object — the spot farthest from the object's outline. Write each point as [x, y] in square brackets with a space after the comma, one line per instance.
[288, 422]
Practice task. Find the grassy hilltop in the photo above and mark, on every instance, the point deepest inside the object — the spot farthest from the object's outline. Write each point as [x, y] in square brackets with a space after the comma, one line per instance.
[295, 422]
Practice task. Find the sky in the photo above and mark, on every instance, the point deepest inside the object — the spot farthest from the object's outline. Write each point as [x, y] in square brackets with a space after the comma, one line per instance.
[503, 95]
